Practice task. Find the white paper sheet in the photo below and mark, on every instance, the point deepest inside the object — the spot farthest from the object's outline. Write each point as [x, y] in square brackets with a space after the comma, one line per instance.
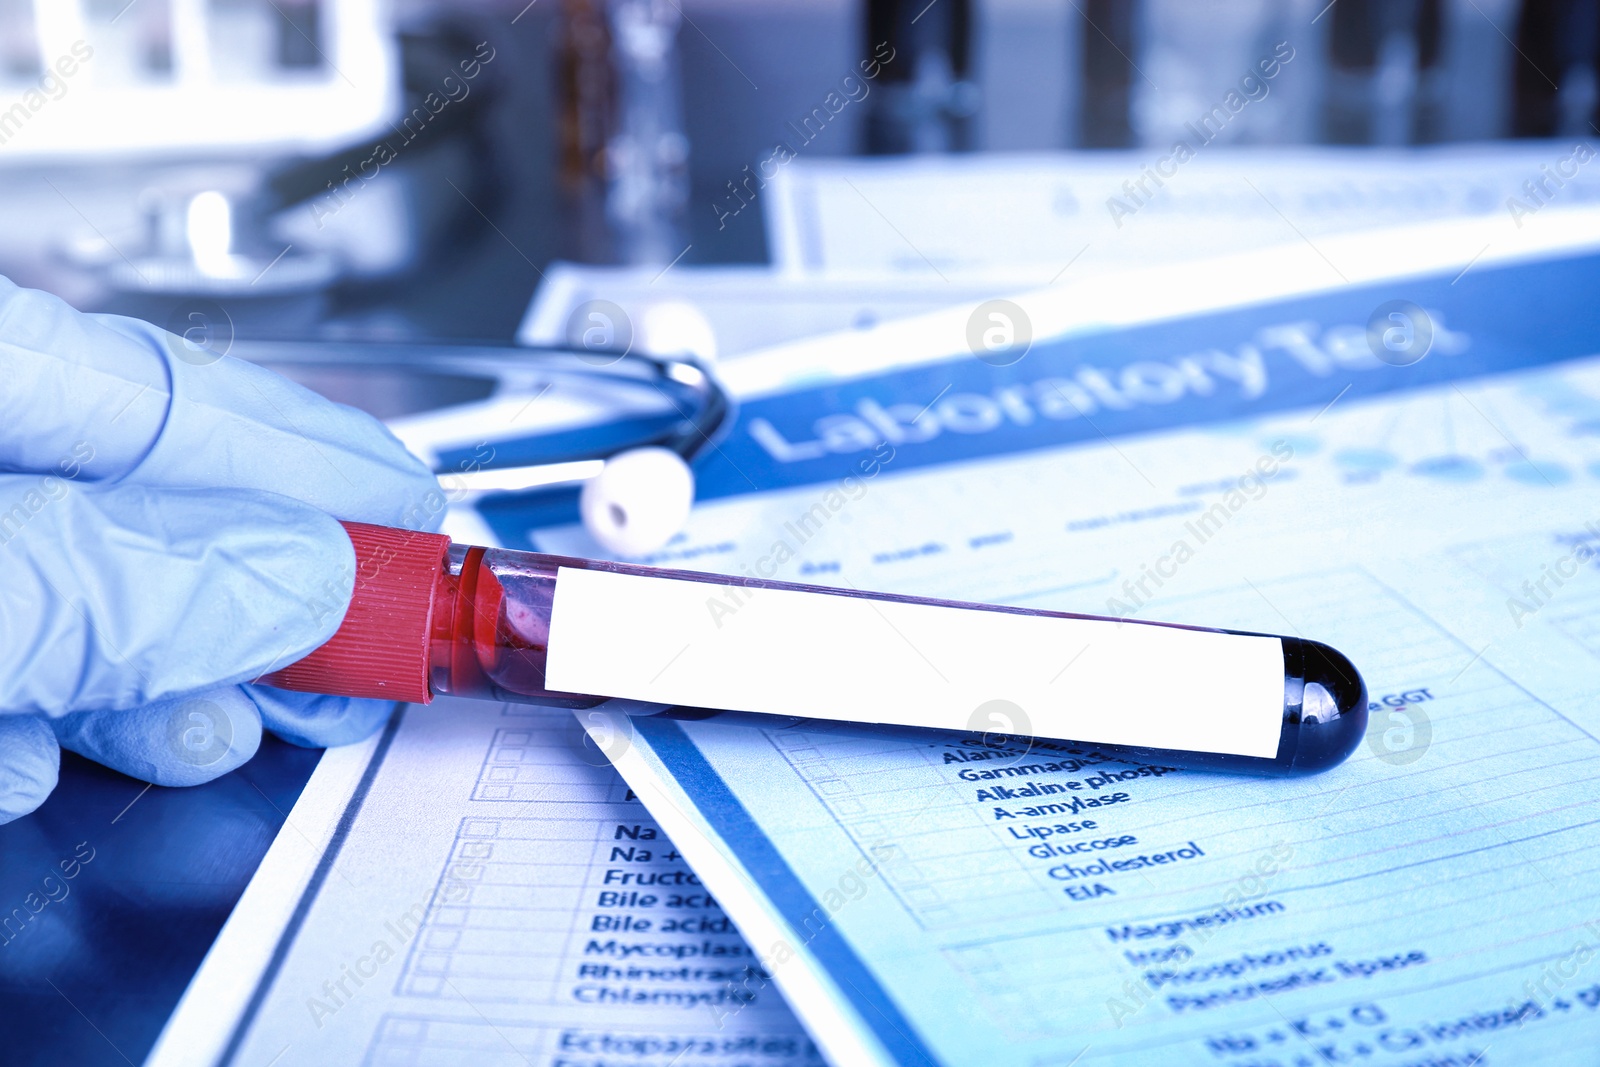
[745, 309]
[1044, 219]
[478, 886]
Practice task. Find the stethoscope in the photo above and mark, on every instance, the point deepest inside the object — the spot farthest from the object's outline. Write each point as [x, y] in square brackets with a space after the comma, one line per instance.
[633, 496]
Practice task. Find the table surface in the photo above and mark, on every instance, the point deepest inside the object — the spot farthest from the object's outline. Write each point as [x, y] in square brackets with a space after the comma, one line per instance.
[97, 961]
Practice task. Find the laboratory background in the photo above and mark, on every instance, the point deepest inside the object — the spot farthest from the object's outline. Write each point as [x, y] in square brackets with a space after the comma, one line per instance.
[1279, 316]
[633, 135]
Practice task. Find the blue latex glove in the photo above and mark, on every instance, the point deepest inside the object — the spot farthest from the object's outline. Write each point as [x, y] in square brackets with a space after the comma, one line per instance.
[168, 533]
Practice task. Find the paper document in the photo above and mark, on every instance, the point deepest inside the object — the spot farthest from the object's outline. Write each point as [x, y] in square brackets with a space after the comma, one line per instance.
[1049, 218]
[976, 899]
[746, 309]
[478, 886]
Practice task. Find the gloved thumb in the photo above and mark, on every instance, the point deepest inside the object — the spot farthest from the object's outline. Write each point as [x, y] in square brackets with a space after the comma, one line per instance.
[179, 742]
[122, 597]
[29, 764]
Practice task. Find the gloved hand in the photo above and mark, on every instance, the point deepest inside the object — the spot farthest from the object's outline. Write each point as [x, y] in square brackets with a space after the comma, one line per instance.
[167, 534]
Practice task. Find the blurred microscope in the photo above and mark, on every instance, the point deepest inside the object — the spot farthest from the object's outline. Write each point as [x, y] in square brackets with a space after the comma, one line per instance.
[297, 166]
[132, 153]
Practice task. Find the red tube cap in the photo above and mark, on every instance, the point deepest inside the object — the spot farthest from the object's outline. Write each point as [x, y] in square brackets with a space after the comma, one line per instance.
[381, 648]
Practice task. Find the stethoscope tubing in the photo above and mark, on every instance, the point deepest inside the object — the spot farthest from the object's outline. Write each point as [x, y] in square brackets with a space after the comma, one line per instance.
[704, 406]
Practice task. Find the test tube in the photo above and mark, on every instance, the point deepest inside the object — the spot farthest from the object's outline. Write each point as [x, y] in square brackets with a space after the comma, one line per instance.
[430, 618]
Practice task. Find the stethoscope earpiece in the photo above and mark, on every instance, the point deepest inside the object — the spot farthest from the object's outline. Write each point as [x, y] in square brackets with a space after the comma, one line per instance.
[640, 498]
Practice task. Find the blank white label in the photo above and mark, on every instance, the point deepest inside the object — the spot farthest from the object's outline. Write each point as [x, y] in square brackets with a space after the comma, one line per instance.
[827, 656]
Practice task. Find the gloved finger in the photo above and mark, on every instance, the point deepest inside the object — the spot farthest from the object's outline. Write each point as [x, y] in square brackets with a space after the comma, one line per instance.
[30, 762]
[105, 397]
[179, 742]
[120, 597]
[312, 720]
